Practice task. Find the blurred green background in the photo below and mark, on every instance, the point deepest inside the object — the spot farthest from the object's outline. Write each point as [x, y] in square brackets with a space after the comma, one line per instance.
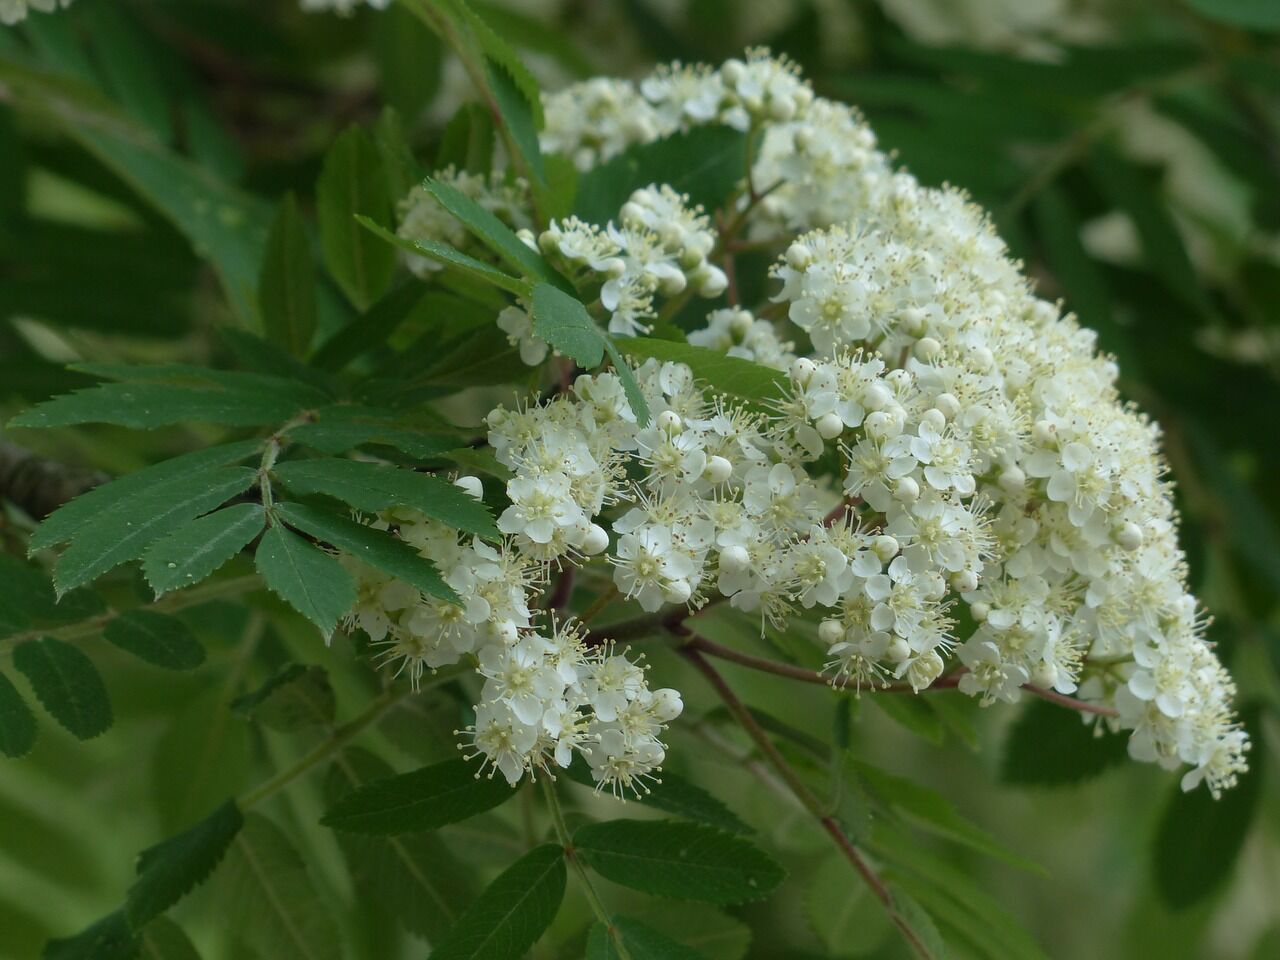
[1130, 154]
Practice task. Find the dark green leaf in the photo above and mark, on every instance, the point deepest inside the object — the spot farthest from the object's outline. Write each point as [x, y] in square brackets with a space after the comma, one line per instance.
[170, 870]
[353, 183]
[296, 698]
[443, 253]
[287, 286]
[1250, 14]
[516, 109]
[68, 520]
[67, 684]
[305, 577]
[338, 429]
[684, 861]
[707, 163]
[639, 406]
[17, 722]
[269, 899]
[1050, 746]
[414, 876]
[131, 527]
[157, 638]
[1199, 838]
[371, 487]
[423, 800]
[108, 939]
[562, 321]
[753, 382]
[916, 715]
[164, 940]
[641, 942]
[512, 913]
[199, 547]
[27, 600]
[146, 405]
[467, 142]
[409, 59]
[491, 231]
[378, 548]
[675, 795]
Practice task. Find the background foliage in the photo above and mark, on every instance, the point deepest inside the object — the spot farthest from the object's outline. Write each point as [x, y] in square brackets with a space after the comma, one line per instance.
[178, 184]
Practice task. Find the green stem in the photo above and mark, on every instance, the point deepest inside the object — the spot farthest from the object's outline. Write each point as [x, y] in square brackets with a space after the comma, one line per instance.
[190, 597]
[570, 854]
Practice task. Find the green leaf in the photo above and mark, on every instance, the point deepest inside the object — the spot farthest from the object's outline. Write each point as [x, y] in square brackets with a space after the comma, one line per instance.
[684, 861]
[753, 382]
[921, 925]
[443, 253]
[131, 527]
[296, 698]
[108, 939]
[305, 577]
[1250, 14]
[414, 876]
[916, 715]
[512, 913]
[847, 917]
[353, 183]
[562, 321]
[164, 940]
[287, 286]
[409, 59]
[706, 162]
[492, 232]
[196, 549]
[170, 870]
[157, 638]
[422, 800]
[67, 684]
[371, 487]
[17, 722]
[378, 548]
[269, 899]
[28, 603]
[929, 810]
[641, 942]
[1050, 746]
[675, 795]
[707, 930]
[69, 519]
[1199, 838]
[516, 109]
[635, 397]
[338, 429]
[467, 141]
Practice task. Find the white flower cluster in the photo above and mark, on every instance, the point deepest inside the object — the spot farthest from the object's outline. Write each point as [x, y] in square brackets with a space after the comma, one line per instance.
[984, 449]
[546, 692]
[15, 11]
[343, 7]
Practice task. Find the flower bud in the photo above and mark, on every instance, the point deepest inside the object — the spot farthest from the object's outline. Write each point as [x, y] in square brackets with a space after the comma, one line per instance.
[948, 405]
[471, 485]
[934, 418]
[898, 650]
[596, 540]
[877, 396]
[734, 559]
[613, 267]
[1043, 674]
[879, 425]
[506, 631]
[1128, 535]
[829, 426]
[719, 469]
[713, 282]
[912, 320]
[732, 72]
[830, 632]
[966, 581]
[885, 547]
[666, 705]
[741, 324]
[677, 591]
[803, 139]
[906, 491]
[802, 369]
[672, 284]
[926, 349]
[799, 256]
[1012, 480]
[979, 610]
[1044, 432]
[669, 421]
[782, 108]
[527, 238]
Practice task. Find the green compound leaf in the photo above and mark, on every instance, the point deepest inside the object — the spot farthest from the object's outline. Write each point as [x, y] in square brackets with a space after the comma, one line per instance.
[305, 577]
[684, 861]
[372, 487]
[199, 547]
[378, 548]
[1199, 838]
[512, 913]
[338, 429]
[753, 382]
[294, 699]
[517, 109]
[157, 638]
[414, 876]
[68, 520]
[353, 183]
[1050, 746]
[266, 892]
[170, 870]
[165, 940]
[641, 942]
[67, 684]
[108, 939]
[675, 795]
[287, 285]
[127, 531]
[491, 231]
[562, 321]
[17, 722]
[707, 163]
[447, 255]
[422, 800]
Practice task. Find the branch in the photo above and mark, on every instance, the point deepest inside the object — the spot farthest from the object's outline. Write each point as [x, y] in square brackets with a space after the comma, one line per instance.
[39, 485]
[805, 796]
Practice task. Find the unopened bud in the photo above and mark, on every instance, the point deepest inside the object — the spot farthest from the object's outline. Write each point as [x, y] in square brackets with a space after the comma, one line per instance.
[471, 485]
[829, 426]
